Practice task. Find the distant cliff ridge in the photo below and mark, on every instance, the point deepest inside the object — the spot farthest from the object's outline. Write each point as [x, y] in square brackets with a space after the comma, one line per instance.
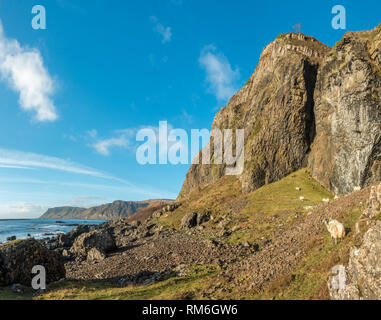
[62, 213]
[110, 211]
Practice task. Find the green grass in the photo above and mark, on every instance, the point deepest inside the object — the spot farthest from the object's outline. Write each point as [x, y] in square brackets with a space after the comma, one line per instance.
[7, 294]
[282, 195]
[277, 204]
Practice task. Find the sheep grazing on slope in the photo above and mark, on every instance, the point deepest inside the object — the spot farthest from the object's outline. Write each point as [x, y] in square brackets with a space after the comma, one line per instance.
[335, 228]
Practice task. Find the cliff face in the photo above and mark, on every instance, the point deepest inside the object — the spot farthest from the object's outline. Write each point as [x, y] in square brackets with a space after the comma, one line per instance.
[62, 213]
[115, 210]
[307, 105]
[347, 150]
[275, 108]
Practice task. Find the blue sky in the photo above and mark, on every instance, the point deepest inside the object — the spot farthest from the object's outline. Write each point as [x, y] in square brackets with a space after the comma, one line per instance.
[73, 96]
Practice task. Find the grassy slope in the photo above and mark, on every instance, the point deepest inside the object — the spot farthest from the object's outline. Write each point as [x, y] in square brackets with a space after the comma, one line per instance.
[255, 217]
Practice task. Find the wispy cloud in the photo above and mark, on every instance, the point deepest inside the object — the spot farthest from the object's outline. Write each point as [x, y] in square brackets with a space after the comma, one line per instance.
[103, 146]
[126, 139]
[164, 32]
[7, 166]
[17, 159]
[219, 73]
[24, 71]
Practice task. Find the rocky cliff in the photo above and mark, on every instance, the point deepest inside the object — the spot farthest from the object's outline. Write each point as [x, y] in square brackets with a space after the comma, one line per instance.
[306, 105]
[62, 213]
[115, 210]
[346, 152]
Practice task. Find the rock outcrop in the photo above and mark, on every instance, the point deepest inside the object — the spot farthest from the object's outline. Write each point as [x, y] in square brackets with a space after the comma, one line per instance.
[98, 239]
[19, 257]
[346, 152]
[275, 108]
[306, 105]
[363, 274]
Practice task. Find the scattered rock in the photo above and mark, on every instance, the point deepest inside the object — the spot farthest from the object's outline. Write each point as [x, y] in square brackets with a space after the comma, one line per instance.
[142, 278]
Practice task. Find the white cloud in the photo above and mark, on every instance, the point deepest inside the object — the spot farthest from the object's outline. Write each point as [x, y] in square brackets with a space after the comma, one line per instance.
[103, 146]
[219, 73]
[126, 138]
[164, 32]
[16, 159]
[23, 70]
[7, 166]
[21, 210]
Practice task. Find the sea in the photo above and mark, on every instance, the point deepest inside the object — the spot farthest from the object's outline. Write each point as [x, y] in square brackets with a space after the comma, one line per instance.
[39, 228]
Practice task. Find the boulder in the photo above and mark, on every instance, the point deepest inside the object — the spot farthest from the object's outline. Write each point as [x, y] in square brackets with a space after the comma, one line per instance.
[189, 221]
[95, 255]
[66, 240]
[19, 257]
[99, 239]
[203, 217]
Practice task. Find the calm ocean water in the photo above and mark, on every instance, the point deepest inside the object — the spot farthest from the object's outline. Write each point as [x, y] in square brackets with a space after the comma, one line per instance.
[38, 228]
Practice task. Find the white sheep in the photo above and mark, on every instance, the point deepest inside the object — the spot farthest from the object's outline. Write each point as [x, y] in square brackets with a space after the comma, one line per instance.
[335, 228]
[301, 198]
[326, 200]
[298, 189]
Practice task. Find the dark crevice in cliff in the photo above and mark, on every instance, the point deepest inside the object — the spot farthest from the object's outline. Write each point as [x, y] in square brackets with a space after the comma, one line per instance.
[310, 76]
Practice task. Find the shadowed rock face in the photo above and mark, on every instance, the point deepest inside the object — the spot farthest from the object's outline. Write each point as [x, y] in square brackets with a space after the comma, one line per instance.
[19, 257]
[347, 150]
[275, 108]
